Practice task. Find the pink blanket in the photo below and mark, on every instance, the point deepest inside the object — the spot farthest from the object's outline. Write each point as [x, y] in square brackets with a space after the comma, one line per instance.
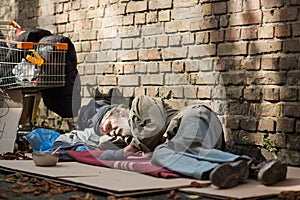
[131, 164]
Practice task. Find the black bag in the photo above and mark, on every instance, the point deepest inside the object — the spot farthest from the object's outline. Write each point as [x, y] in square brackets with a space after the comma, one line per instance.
[64, 101]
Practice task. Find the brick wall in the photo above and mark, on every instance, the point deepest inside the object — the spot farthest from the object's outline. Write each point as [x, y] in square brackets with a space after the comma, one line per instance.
[240, 57]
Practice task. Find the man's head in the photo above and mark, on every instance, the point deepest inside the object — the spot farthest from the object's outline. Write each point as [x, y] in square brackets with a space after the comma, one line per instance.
[113, 120]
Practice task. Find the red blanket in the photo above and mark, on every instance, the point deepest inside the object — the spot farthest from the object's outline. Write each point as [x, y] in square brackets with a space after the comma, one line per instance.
[131, 164]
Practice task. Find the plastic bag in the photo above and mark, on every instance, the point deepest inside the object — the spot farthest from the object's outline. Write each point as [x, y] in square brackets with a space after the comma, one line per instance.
[41, 139]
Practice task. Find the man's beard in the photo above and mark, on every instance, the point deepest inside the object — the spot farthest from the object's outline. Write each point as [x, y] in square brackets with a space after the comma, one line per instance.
[123, 123]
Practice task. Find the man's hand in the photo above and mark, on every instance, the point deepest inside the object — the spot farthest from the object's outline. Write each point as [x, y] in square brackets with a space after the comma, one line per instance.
[113, 155]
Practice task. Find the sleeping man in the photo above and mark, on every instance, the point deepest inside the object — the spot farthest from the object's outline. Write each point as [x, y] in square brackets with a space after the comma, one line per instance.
[187, 141]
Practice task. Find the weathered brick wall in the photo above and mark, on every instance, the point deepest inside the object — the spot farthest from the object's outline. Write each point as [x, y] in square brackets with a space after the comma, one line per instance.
[240, 57]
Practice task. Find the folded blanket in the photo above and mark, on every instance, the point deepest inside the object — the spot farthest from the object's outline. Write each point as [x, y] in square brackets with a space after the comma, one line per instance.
[141, 165]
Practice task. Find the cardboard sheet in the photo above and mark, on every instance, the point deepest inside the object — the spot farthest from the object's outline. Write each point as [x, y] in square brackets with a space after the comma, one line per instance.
[11, 107]
[107, 180]
[252, 188]
[123, 183]
[62, 169]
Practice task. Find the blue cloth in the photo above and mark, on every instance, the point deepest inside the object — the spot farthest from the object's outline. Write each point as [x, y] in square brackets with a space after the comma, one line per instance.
[42, 139]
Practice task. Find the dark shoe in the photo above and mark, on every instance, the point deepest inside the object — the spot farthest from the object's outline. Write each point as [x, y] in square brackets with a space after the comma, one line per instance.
[228, 175]
[272, 172]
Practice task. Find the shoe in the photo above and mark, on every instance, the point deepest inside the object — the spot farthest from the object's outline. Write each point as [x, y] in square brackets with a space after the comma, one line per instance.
[272, 172]
[228, 175]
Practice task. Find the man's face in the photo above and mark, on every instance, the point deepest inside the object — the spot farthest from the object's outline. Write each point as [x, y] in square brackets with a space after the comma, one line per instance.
[115, 126]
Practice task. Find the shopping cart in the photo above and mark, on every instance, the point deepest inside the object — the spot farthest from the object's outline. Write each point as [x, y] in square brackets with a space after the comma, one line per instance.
[28, 64]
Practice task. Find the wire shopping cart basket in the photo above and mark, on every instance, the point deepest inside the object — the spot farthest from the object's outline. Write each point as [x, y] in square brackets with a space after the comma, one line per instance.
[29, 64]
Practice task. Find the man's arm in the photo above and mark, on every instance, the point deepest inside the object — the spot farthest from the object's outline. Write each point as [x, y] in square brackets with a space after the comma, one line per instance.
[120, 154]
[129, 150]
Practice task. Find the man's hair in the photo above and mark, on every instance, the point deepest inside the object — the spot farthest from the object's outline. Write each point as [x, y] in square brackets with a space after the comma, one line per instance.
[120, 111]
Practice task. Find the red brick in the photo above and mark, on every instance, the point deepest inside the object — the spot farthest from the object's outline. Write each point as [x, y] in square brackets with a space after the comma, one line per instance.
[271, 94]
[245, 18]
[268, 110]
[232, 49]
[292, 110]
[288, 63]
[272, 3]
[252, 94]
[159, 4]
[149, 54]
[178, 66]
[217, 36]
[298, 127]
[278, 140]
[204, 24]
[204, 92]
[286, 125]
[264, 47]
[250, 63]
[248, 124]
[230, 78]
[293, 77]
[280, 15]
[136, 6]
[269, 63]
[219, 8]
[232, 35]
[294, 2]
[198, 51]
[266, 124]
[128, 80]
[129, 68]
[265, 32]
[291, 46]
[283, 31]
[174, 52]
[224, 64]
[238, 108]
[267, 78]
[288, 94]
[128, 55]
[234, 92]
[232, 123]
[249, 33]
[153, 79]
[107, 80]
[251, 5]
[294, 143]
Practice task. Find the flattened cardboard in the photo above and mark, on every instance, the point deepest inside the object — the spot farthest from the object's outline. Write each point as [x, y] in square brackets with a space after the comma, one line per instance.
[106, 180]
[252, 188]
[11, 107]
[62, 169]
[125, 181]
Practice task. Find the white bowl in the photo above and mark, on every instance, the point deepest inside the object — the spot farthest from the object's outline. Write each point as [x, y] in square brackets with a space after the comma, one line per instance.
[45, 158]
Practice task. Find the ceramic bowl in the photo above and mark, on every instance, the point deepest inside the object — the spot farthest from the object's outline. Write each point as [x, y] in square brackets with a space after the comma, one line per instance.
[45, 158]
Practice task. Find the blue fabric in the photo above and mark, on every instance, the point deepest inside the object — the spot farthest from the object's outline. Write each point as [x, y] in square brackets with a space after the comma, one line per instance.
[42, 139]
[82, 148]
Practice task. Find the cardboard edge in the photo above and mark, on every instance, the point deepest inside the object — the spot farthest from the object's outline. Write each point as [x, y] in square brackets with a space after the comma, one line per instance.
[88, 187]
[191, 191]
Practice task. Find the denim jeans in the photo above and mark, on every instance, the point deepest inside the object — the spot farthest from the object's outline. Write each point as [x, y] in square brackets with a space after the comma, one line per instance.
[192, 151]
